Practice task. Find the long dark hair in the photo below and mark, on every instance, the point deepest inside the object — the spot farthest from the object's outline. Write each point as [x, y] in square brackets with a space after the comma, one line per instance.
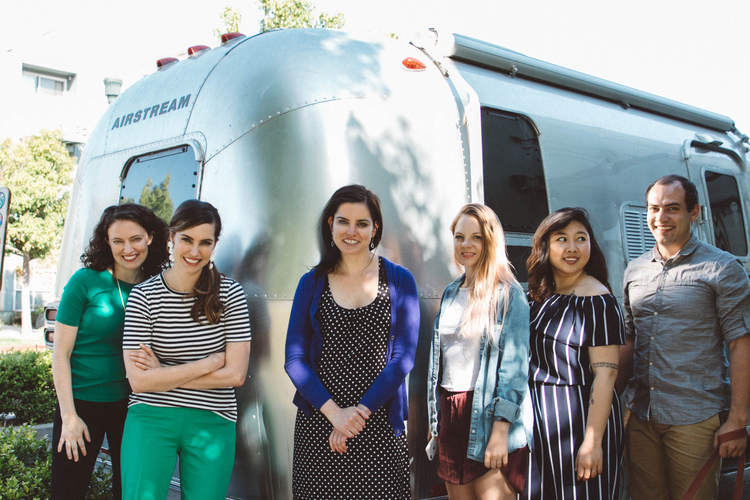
[98, 254]
[330, 255]
[541, 280]
[207, 289]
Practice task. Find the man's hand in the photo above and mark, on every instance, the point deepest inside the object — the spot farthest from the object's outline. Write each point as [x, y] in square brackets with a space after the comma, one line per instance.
[733, 448]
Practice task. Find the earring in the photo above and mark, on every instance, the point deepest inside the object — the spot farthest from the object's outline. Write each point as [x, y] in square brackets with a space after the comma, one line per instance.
[170, 246]
[372, 245]
[332, 244]
[211, 260]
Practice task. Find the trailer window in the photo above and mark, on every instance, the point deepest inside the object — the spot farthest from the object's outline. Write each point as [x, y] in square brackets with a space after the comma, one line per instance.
[514, 184]
[726, 213]
[161, 180]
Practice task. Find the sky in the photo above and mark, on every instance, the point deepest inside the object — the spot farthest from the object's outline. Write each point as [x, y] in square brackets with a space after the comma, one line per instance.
[691, 51]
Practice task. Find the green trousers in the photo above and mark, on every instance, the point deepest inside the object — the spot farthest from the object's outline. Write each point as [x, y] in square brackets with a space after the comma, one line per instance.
[154, 436]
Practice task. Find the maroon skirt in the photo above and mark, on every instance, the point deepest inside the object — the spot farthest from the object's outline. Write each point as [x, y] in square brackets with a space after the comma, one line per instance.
[453, 444]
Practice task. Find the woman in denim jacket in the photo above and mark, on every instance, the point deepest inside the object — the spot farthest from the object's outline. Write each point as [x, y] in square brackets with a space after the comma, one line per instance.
[484, 405]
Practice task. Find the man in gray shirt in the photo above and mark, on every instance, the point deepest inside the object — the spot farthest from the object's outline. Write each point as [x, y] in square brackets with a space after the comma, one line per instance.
[683, 300]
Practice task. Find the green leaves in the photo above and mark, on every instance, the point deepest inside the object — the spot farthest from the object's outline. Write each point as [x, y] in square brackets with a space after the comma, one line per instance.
[231, 20]
[296, 14]
[26, 385]
[25, 464]
[26, 468]
[38, 172]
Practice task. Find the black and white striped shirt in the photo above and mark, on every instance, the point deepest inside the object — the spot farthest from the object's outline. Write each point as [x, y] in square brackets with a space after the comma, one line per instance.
[158, 316]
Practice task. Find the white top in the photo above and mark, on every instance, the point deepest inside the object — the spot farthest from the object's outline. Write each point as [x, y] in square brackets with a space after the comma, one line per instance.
[160, 317]
[460, 354]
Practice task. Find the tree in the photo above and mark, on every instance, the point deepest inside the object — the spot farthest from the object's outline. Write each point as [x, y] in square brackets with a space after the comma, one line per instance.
[231, 20]
[37, 172]
[296, 14]
[157, 198]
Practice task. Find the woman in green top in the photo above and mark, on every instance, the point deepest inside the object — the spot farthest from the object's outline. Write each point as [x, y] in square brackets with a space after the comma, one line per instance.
[129, 245]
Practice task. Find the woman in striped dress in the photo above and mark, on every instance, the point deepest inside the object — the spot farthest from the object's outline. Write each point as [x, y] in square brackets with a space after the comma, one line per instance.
[576, 333]
[186, 346]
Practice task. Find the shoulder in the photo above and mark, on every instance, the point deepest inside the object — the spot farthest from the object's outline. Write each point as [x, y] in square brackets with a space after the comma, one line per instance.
[149, 286]
[515, 294]
[454, 285]
[591, 286]
[707, 252]
[85, 275]
[643, 267]
[308, 278]
[399, 276]
[397, 270]
[229, 283]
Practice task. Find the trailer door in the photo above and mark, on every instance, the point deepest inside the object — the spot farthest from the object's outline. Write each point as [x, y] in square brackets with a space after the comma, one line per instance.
[724, 197]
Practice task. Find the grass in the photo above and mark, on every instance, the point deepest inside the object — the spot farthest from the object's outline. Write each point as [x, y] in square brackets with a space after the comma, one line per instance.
[9, 338]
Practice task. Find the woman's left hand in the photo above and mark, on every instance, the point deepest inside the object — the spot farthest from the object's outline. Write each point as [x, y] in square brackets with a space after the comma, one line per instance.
[496, 454]
[589, 461]
[145, 358]
[337, 440]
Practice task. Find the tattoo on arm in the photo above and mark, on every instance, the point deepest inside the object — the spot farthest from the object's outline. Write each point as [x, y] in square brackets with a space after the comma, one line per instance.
[603, 364]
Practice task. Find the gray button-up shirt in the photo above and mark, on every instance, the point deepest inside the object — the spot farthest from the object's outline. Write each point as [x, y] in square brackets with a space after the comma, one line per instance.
[681, 312]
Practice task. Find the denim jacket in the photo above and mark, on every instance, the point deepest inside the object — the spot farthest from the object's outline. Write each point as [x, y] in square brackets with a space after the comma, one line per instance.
[502, 389]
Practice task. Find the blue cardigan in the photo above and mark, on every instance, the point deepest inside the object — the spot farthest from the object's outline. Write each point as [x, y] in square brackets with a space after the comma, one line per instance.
[304, 346]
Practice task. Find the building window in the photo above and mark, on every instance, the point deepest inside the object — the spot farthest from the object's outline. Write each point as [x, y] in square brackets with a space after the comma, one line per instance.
[47, 81]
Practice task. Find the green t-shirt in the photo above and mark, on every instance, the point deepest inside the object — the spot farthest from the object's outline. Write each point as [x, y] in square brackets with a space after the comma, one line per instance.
[91, 302]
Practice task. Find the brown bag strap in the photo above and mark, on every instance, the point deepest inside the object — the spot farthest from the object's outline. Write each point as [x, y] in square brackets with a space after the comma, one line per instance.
[729, 436]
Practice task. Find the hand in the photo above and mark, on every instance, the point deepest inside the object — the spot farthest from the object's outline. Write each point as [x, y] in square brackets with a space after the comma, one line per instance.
[733, 448]
[349, 421]
[337, 441]
[74, 431]
[144, 358]
[496, 454]
[589, 461]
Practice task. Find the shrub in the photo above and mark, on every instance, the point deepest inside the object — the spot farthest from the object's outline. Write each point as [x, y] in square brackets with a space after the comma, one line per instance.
[26, 386]
[25, 464]
[26, 468]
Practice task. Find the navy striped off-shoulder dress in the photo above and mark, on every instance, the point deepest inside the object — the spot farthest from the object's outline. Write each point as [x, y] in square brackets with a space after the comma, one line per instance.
[563, 327]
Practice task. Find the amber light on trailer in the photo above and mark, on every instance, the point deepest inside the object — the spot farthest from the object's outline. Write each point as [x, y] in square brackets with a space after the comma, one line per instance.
[413, 64]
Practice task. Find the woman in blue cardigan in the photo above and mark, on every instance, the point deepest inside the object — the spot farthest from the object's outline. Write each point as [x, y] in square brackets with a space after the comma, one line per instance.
[350, 345]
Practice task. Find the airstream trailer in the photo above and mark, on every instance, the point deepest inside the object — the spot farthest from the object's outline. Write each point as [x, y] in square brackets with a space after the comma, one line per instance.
[267, 127]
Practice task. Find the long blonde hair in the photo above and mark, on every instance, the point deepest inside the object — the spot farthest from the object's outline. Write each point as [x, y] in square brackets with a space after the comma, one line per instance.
[493, 268]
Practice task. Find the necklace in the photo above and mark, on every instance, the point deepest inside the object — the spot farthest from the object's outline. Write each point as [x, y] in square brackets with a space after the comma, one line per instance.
[120, 290]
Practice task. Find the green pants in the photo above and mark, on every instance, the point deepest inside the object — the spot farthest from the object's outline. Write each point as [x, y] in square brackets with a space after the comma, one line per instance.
[153, 438]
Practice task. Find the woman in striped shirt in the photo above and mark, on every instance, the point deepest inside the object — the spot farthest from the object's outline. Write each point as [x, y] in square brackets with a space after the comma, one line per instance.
[186, 345]
[576, 333]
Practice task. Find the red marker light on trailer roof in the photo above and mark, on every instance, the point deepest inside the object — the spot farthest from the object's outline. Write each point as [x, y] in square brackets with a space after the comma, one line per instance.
[163, 62]
[413, 64]
[197, 49]
[228, 37]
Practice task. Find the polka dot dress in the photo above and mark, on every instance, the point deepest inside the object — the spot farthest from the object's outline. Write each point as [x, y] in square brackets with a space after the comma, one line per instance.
[375, 466]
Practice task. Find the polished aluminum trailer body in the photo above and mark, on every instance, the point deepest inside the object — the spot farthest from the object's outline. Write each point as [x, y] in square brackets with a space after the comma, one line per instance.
[267, 127]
